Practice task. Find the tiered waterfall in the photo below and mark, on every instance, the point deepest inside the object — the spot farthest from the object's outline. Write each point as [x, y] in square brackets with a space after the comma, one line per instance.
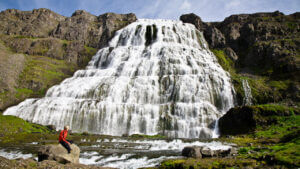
[155, 77]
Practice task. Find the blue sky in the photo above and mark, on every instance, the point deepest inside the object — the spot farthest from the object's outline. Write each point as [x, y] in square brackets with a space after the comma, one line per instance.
[208, 10]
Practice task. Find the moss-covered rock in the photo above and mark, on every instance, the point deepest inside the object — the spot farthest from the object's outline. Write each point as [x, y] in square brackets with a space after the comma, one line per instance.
[242, 120]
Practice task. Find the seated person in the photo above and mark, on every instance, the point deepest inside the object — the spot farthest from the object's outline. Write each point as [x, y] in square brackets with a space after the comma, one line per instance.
[62, 139]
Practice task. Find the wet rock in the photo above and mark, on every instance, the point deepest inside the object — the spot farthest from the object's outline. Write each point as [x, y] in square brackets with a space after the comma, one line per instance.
[194, 152]
[207, 152]
[59, 153]
[30, 163]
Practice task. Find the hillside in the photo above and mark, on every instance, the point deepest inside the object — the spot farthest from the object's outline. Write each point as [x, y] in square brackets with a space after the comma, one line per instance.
[262, 48]
[40, 48]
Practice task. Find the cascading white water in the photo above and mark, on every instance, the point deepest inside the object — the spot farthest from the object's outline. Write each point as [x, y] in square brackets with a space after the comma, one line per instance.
[247, 91]
[156, 77]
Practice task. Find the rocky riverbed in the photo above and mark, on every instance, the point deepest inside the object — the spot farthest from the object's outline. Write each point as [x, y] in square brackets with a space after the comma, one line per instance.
[117, 152]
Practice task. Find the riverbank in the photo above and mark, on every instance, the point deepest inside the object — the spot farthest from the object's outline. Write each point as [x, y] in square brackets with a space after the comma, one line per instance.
[268, 145]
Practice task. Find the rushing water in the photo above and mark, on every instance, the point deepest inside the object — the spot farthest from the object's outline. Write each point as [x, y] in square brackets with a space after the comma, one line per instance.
[247, 91]
[119, 152]
[155, 77]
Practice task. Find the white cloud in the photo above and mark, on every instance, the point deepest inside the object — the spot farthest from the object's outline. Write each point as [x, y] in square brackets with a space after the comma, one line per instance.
[186, 5]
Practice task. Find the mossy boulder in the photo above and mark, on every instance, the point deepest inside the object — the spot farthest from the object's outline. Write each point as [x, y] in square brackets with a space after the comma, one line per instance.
[245, 119]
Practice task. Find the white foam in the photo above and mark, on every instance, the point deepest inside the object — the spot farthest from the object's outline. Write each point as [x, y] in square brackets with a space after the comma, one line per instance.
[14, 154]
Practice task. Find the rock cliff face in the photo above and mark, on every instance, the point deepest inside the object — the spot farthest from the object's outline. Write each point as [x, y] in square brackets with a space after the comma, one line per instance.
[264, 45]
[39, 48]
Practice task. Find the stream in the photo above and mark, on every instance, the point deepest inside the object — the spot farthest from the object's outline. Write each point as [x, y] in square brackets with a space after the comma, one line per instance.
[119, 152]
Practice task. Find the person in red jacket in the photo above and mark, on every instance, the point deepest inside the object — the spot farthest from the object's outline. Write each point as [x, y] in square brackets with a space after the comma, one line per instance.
[62, 139]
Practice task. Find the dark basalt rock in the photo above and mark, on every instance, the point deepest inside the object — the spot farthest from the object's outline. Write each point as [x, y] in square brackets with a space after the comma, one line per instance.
[245, 119]
[237, 121]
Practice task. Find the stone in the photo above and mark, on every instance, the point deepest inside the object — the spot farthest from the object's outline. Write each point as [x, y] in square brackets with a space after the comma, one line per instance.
[194, 152]
[237, 120]
[59, 153]
[233, 151]
[231, 54]
[207, 152]
[51, 127]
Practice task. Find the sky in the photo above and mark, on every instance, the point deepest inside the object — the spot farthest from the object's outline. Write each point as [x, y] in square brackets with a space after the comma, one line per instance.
[208, 10]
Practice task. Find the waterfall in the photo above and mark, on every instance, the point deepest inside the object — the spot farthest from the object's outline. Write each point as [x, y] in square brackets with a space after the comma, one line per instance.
[155, 77]
[247, 90]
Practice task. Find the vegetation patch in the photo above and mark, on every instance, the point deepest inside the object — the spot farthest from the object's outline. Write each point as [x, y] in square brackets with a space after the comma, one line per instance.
[14, 129]
[40, 73]
[208, 163]
[226, 63]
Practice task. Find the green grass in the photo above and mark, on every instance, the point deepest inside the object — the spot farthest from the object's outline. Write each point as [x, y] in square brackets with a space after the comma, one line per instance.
[14, 129]
[44, 72]
[23, 92]
[207, 163]
[285, 125]
[90, 51]
[226, 63]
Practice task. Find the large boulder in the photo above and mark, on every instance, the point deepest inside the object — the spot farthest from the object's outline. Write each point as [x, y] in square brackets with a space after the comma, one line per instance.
[194, 152]
[245, 119]
[59, 153]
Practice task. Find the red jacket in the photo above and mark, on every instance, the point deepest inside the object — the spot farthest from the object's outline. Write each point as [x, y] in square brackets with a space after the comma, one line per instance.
[63, 135]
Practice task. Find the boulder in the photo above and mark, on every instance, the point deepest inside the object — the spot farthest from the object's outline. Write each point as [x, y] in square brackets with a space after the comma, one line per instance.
[59, 153]
[207, 152]
[203, 151]
[194, 152]
[245, 119]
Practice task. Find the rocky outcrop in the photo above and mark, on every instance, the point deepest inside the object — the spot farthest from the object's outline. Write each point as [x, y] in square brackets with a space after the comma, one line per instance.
[264, 40]
[89, 29]
[212, 35]
[67, 44]
[260, 44]
[35, 23]
[203, 152]
[59, 153]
